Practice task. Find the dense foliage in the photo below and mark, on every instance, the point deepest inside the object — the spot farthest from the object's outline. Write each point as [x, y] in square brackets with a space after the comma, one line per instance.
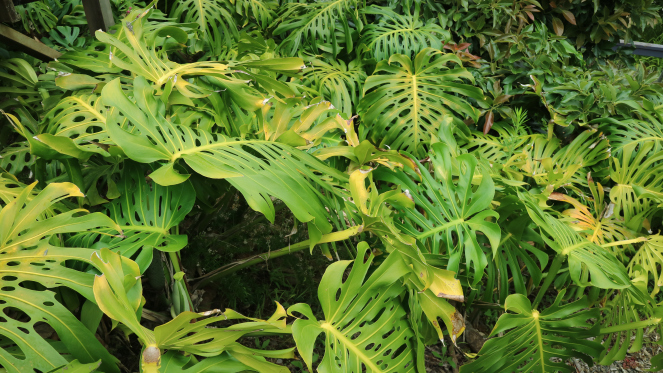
[448, 156]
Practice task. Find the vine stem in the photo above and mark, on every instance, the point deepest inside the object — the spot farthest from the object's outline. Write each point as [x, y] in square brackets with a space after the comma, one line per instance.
[236, 266]
[550, 277]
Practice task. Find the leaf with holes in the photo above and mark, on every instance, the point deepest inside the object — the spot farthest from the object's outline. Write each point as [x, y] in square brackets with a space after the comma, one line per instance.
[532, 338]
[26, 254]
[405, 34]
[146, 212]
[214, 19]
[589, 263]
[638, 176]
[143, 59]
[17, 158]
[648, 262]
[405, 99]
[625, 317]
[365, 326]
[451, 212]
[338, 82]
[76, 126]
[322, 26]
[257, 168]
[190, 332]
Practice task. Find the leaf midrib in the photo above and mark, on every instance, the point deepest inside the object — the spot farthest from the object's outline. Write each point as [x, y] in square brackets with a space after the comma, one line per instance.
[539, 337]
[349, 345]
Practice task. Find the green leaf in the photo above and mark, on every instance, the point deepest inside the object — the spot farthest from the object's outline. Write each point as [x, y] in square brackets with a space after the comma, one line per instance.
[436, 308]
[74, 82]
[316, 24]
[449, 214]
[174, 362]
[140, 56]
[535, 338]
[77, 367]
[303, 123]
[260, 11]
[365, 324]
[96, 58]
[405, 34]
[633, 130]
[27, 255]
[404, 100]
[589, 264]
[648, 262]
[558, 26]
[257, 168]
[626, 311]
[146, 212]
[19, 82]
[190, 332]
[118, 291]
[338, 82]
[17, 158]
[639, 169]
[214, 19]
[520, 245]
[80, 122]
[552, 167]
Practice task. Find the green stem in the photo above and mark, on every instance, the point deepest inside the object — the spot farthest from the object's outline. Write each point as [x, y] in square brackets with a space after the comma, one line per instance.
[175, 260]
[40, 172]
[630, 326]
[73, 168]
[236, 266]
[492, 306]
[552, 272]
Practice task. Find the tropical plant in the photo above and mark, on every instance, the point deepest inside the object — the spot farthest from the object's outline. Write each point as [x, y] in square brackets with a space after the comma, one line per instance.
[405, 99]
[451, 159]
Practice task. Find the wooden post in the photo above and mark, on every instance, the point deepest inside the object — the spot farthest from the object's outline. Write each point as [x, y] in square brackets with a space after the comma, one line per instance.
[27, 44]
[7, 12]
[99, 15]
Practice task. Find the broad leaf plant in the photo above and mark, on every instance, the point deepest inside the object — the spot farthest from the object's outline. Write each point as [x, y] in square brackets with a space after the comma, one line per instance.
[451, 159]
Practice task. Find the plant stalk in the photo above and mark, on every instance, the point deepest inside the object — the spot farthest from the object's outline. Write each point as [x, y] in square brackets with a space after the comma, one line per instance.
[552, 272]
[236, 266]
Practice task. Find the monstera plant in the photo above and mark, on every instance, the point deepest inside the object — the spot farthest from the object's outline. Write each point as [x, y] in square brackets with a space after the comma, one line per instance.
[407, 183]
